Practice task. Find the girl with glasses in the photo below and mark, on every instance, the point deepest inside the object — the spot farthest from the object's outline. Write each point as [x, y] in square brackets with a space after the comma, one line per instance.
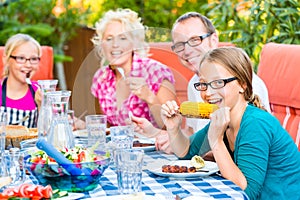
[249, 144]
[21, 59]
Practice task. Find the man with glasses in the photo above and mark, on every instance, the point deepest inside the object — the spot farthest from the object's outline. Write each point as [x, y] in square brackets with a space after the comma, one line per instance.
[193, 35]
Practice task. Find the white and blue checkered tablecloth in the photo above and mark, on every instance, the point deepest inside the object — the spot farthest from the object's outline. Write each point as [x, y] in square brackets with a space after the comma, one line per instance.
[212, 186]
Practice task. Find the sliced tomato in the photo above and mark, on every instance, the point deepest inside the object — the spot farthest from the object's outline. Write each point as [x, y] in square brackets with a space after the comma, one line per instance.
[81, 156]
[39, 190]
[23, 192]
[31, 191]
[3, 196]
[9, 192]
[47, 192]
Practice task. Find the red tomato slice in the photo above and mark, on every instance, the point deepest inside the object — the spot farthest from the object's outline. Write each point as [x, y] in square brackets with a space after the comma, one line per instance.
[23, 190]
[47, 192]
[3, 196]
[39, 191]
[81, 156]
[31, 191]
[9, 192]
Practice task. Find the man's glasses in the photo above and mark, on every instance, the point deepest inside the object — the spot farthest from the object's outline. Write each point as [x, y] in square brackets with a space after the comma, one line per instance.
[23, 60]
[194, 41]
[216, 84]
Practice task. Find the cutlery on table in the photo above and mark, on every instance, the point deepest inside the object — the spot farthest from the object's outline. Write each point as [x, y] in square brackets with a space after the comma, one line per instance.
[28, 81]
[21, 120]
[51, 151]
[121, 70]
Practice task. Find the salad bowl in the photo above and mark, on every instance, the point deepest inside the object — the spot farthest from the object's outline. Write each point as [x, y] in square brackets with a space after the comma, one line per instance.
[47, 171]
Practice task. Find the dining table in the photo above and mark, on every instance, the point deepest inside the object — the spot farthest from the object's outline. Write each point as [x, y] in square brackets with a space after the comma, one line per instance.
[213, 186]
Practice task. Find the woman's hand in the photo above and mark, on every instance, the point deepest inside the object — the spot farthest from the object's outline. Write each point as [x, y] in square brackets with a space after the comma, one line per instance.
[139, 87]
[219, 121]
[144, 127]
[170, 116]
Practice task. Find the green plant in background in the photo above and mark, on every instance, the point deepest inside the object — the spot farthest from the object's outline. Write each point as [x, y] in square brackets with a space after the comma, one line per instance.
[251, 24]
[248, 24]
[51, 22]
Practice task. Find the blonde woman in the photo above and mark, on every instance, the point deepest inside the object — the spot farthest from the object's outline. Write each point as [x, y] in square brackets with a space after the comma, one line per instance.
[21, 59]
[130, 82]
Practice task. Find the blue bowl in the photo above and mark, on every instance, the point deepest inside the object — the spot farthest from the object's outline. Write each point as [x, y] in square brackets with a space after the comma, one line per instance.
[59, 178]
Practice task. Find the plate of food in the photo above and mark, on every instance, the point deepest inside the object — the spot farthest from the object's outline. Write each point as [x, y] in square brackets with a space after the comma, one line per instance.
[144, 144]
[182, 168]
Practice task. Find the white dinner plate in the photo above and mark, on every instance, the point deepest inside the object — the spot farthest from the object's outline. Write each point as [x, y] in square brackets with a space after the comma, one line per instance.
[156, 168]
[147, 148]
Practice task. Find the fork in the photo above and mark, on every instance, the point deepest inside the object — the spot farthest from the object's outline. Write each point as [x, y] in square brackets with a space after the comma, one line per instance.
[21, 120]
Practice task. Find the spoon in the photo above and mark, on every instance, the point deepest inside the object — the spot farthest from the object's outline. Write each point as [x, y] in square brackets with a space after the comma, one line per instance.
[51, 151]
[21, 120]
[121, 70]
[28, 81]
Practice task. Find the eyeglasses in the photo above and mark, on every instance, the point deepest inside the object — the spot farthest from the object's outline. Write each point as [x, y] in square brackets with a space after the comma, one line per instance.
[23, 60]
[194, 41]
[216, 84]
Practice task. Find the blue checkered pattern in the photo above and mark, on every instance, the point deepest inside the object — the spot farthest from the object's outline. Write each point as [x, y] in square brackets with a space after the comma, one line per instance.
[213, 186]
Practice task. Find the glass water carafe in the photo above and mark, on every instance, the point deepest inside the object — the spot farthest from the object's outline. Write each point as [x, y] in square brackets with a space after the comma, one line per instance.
[45, 109]
[60, 133]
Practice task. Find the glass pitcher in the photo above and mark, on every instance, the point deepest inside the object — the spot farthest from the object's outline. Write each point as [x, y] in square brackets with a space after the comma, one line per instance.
[45, 110]
[60, 133]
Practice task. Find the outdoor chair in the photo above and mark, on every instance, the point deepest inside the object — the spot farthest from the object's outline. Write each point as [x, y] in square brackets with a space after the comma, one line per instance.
[279, 68]
[45, 70]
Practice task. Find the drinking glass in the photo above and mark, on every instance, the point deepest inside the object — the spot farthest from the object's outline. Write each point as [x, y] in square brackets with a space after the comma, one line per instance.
[3, 123]
[71, 119]
[121, 138]
[129, 164]
[45, 113]
[96, 128]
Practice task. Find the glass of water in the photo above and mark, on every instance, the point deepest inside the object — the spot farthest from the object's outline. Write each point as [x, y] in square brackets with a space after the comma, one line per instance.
[96, 128]
[3, 122]
[129, 163]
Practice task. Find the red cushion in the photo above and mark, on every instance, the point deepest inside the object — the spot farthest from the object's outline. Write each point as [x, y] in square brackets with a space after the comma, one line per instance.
[279, 68]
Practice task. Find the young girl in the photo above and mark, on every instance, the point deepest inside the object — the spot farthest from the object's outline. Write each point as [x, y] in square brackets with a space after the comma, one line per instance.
[249, 145]
[21, 59]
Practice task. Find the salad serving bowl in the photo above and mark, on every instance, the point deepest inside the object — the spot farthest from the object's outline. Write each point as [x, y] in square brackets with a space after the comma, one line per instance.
[47, 171]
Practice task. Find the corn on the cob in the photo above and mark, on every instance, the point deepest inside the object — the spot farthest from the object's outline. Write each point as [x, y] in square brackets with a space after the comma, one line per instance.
[197, 109]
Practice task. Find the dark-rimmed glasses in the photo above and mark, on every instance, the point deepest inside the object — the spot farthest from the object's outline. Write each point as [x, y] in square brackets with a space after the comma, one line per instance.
[23, 60]
[194, 41]
[216, 84]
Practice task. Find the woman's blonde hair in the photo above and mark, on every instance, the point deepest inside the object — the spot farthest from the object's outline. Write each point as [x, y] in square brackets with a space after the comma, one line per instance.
[14, 42]
[238, 63]
[131, 23]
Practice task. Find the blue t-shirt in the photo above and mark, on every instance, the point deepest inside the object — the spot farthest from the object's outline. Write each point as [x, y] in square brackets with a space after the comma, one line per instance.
[264, 152]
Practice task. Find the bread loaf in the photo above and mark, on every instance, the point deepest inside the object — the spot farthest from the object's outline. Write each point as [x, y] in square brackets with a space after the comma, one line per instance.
[197, 109]
[16, 133]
